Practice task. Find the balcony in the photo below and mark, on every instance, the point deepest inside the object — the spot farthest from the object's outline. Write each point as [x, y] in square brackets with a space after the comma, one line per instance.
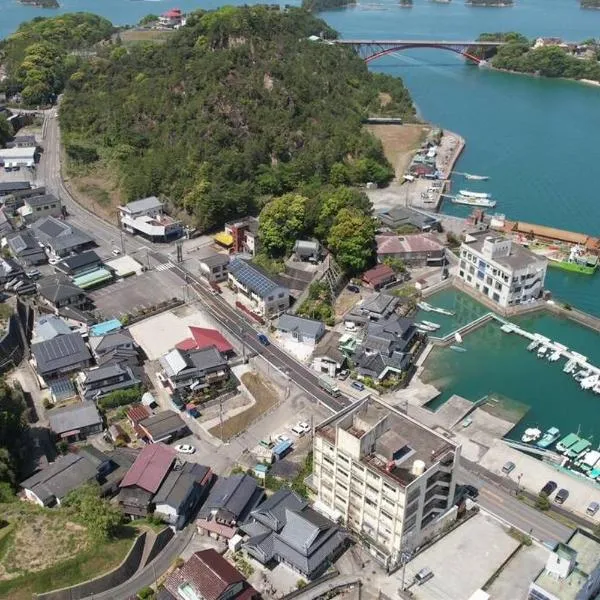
[436, 492]
[434, 507]
[441, 479]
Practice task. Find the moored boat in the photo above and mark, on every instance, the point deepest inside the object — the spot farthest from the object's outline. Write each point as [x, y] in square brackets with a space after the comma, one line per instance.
[542, 351]
[421, 326]
[570, 366]
[589, 382]
[424, 306]
[470, 194]
[578, 448]
[476, 177]
[555, 356]
[431, 324]
[458, 349]
[577, 261]
[550, 436]
[471, 201]
[567, 442]
[531, 434]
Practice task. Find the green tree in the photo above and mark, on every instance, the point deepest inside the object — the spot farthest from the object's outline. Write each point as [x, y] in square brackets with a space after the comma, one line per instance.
[333, 200]
[542, 502]
[148, 20]
[352, 240]
[282, 221]
[5, 130]
[13, 426]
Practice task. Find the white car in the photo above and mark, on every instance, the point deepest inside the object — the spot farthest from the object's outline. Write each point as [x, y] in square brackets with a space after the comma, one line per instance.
[116, 251]
[282, 438]
[185, 449]
[53, 260]
[304, 426]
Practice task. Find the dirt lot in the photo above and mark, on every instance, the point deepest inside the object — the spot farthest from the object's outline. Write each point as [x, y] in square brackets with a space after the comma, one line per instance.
[265, 398]
[145, 35]
[399, 143]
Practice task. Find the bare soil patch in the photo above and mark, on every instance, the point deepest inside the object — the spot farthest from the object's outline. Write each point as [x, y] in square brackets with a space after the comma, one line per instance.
[132, 36]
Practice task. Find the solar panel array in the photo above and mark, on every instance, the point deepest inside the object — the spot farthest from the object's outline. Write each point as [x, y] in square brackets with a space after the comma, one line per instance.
[252, 278]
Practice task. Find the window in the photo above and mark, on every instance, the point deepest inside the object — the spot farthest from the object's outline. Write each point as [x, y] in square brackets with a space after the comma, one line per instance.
[342, 473]
[469, 278]
[270, 298]
[496, 297]
[328, 461]
[372, 489]
[462, 273]
[370, 503]
[343, 458]
[488, 280]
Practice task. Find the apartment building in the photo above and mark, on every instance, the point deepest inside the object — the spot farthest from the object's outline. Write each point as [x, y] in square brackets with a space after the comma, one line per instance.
[506, 273]
[390, 478]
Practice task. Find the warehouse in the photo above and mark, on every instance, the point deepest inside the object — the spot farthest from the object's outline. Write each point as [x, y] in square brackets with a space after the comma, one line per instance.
[17, 157]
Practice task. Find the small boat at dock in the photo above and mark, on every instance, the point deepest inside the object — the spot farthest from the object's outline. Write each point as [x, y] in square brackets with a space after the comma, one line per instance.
[531, 434]
[470, 194]
[422, 326]
[424, 306]
[581, 375]
[578, 448]
[542, 351]
[555, 356]
[458, 338]
[458, 349]
[534, 344]
[472, 201]
[441, 311]
[589, 382]
[567, 442]
[571, 365]
[434, 326]
[508, 328]
[550, 436]
[475, 177]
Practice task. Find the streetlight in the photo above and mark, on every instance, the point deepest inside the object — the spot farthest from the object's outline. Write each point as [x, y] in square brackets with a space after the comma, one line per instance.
[519, 483]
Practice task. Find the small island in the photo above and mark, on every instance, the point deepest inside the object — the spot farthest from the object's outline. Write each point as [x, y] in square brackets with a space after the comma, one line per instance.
[594, 4]
[41, 3]
[406, 3]
[490, 3]
[320, 5]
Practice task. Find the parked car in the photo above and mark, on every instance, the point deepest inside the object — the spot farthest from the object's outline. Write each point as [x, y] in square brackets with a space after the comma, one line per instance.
[561, 496]
[299, 431]
[353, 288]
[304, 426]
[343, 375]
[357, 385]
[508, 467]
[549, 488]
[116, 251]
[282, 438]
[423, 575]
[471, 491]
[263, 339]
[350, 326]
[185, 448]
[53, 260]
[592, 509]
[33, 274]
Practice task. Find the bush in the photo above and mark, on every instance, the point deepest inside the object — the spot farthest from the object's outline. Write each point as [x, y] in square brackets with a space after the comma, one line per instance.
[120, 398]
[47, 403]
[146, 593]
[178, 563]
[542, 502]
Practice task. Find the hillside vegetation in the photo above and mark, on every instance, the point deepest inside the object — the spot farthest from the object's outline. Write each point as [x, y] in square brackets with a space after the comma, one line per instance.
[320, 5]
[236, 108]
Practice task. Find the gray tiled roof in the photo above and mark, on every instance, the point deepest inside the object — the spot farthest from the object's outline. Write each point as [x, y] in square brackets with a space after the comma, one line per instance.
[106, 372]
[49, 327]
[215, 260]
[6, 187]
[23, 243]
[89, 257]
[103, 343]
[177, 486]
[230, 497]
[163, 424]
[59, 235]
[76, 416]
[143, 204]
[58, 288]
[42, 200]
[304, 327]
[60, 352]
[272, 512]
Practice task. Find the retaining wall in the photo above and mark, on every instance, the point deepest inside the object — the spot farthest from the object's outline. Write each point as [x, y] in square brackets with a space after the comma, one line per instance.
[162, 539]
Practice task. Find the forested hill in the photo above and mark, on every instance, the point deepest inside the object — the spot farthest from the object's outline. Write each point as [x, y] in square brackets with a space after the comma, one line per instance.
[320, 5]
[238, 106]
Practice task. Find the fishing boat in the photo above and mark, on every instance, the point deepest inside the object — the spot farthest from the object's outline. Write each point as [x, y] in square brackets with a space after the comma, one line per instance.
[424, 327]
[508, 328]
[596, 388]
[469, 194]
[424, 306]
[472, 201]
[570, 366]
[431, 324]
[534, 344]
[542, 351]
[588, 461]
[589, 382]
[531, 434]
[475, 177]
[442, 311]
[577, 261]
[555, 356]
[578, 449]
[458, 338]
[458, 349]
[581, 375]
[550, 436]
[567, 442]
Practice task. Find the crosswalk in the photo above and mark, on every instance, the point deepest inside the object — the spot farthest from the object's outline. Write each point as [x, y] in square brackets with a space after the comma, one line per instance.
[164, 266]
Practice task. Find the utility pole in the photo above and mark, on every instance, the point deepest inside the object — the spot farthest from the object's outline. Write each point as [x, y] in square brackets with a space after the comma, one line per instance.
[242, 337]
[221, 416]
[122, 242]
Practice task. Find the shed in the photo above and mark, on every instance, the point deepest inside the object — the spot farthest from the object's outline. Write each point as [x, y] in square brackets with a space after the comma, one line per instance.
[261, 471]
[282, 449]
[148, 400]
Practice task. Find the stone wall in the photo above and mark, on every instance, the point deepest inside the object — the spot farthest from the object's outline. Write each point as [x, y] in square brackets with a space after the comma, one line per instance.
[162, 539]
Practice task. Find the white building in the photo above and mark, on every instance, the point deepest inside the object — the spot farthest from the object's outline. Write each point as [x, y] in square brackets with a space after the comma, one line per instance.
[18, 157]
[391, 478]
[147, 218]
[506, 273]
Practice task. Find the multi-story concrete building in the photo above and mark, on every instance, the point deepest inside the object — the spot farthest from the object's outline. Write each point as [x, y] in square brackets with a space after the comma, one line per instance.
[391, 478]
[506, 273]
[146, 217]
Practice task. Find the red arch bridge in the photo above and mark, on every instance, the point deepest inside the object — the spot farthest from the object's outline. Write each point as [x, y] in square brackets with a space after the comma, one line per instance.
[370, 50]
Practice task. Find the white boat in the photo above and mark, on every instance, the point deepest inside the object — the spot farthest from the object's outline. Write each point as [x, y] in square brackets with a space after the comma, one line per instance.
[596, 388]
[442, 311]
[423, 327]
[533, 345]
[589, 382]
[542, 351]
[472, 201]
[476, 177]
[531, 434]
[458, 349]
[424, 306]
[431, 324]
[469, 194]
[555, 356]
[571, 365]
[507, 328]
[581, 375]
[458, 338]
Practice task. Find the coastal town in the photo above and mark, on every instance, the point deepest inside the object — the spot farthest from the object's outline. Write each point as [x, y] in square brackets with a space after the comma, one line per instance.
[252, 409]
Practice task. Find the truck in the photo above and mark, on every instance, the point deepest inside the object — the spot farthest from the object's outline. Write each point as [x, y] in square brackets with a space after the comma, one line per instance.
[329, 387]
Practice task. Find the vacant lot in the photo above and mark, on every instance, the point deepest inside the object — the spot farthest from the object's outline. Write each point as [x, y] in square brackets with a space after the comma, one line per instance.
[265, 398]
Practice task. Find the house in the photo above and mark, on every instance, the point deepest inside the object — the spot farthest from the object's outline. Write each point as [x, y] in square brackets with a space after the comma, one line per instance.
[208, 576]
[100, 381]
[171, 18]
[309, 250]
[16, 199]
[378, 277]
[386, 347]
[417, 250]
[59, 292]
[137, 413]
[299, 329]
[22, 141]
[75, 422]
[18, 157]
[205, 338]
[401, 216]
[9, 269]
[373, 308]
[60, 238]
[504, 272]
[164, 426]
[79, 263]
[240, 236]
[9, 187]
[144, 478]
[194, 369]
[61, 355]
[228, 504]
[328, 357]
[147, 218]
[214, 268]
[26, 249]
[285, 529]
[37, 207]
[47, 327]
[181, 493]
[51, 484]
[116, 347]
[257, 290]
[6, 227]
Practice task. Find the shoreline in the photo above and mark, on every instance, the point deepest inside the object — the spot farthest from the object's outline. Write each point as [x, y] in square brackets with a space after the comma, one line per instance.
[589, 82]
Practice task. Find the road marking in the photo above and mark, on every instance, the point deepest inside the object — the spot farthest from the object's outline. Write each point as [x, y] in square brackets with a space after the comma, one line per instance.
[164, 266]
[487, 492]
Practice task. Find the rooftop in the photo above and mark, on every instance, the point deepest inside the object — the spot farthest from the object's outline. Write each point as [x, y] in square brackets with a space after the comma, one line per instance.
[177, 362]
[378, 274]
[519, 257]
[399, 439]
[252, 278]
[142, 205]
[306, 327]
[150, 468]
[59, 235]
[215, 260]
[48, 327]
[12, 186]
[41, 200]
[163, 424]
[57, 288]
[418, 242]
[138, 412]
[60, 352]
[74, 417]
[175, 489]
[230, 497]
[80, 260]
[204, 338]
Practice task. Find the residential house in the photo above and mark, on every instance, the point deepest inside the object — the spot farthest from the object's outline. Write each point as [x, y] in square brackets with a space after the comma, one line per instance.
[59, 292]
[165, 426]
[75, 422]
[9, 269]
[307, 250]
[373, 308]
[36, 207]
[205, 338]
[47, 327]
[401, 216]
[328, 357]
[26, 249]
[208, 576]
[257, 290]
[228, 504]
[416, 250]
[171, 18]
[144, 478]
[60, 238]
[9, 187]
[116, 347]
[100, 381]
[79, 263]
[240, 236]
[16, 199]
[61, 355]
[193, 369]
[379, 277]
[51, 484]
[386, 347]
[285, 529]
[6, 227]
[214, 268]
[181, 492]
[504, 272]
[146, 217]
[390, 478]
[298, 329]
[22, 141]
[137, 413]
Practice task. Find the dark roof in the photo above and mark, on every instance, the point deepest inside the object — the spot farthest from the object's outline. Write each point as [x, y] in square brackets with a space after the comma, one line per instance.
[150, 468]
[6, 187]
[271, 512]
[252, 277]
[58, 234]
[58, 288]
[74, 417]
[41, 200]
[23, 243]
[208, 573]
[378, 275]
[215, 260]
[100, 373]
[60, 352]
[163, 424]
[305, 327]
[80, 260]
[30, 139]
[230, 497]
[176, 488]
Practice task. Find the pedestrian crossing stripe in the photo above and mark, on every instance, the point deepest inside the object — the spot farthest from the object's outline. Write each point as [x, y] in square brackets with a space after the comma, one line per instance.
[165, 266]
